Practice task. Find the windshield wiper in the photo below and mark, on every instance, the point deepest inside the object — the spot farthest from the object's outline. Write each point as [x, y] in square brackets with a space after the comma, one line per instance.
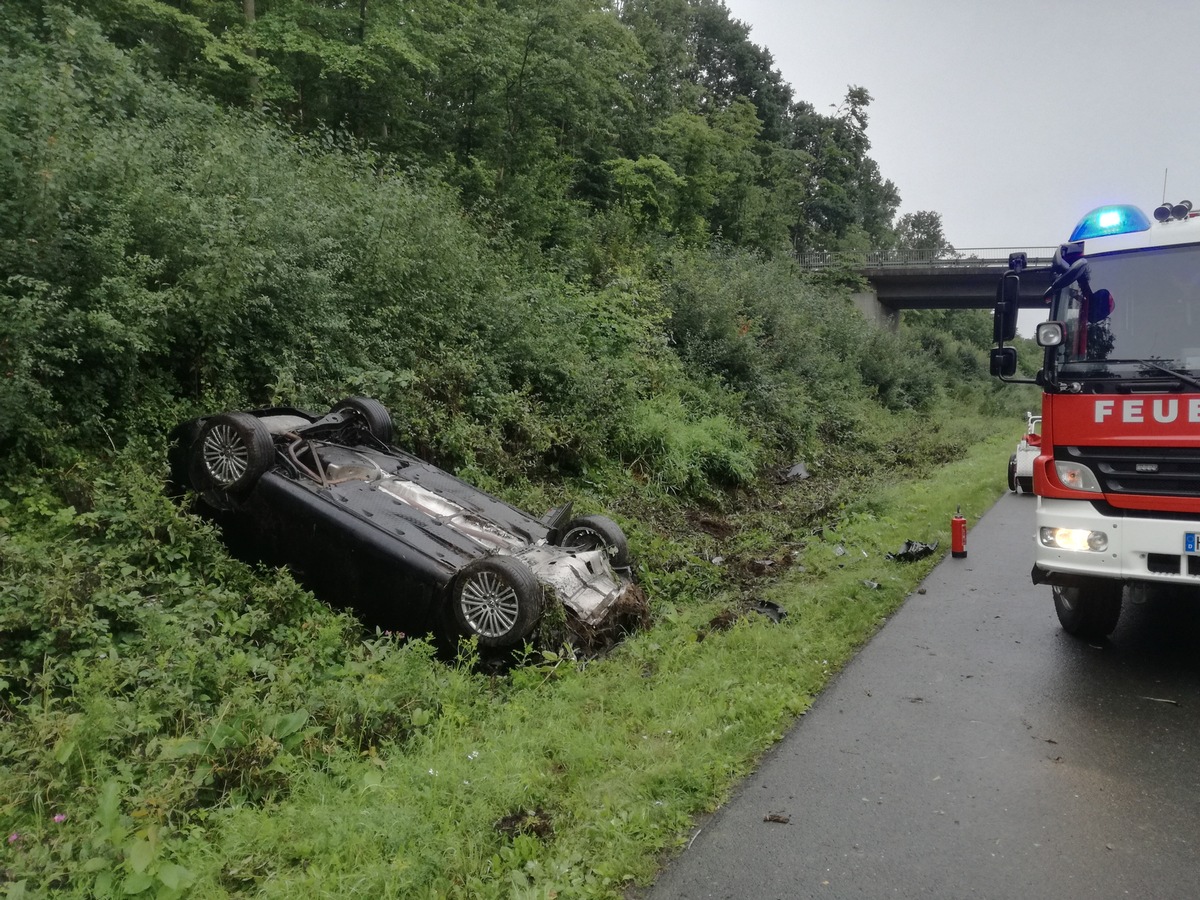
[1182, 376]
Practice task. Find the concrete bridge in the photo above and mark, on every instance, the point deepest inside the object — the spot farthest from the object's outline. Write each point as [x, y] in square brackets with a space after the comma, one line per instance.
[925, 279]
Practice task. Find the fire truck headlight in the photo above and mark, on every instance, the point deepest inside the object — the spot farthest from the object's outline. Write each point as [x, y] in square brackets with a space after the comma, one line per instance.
[1076, 477]
[1073, 539]
[1050, 334]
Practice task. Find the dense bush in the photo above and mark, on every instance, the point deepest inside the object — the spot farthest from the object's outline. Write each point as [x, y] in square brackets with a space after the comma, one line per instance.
[163, 256]
[144, 670]
[166, 255]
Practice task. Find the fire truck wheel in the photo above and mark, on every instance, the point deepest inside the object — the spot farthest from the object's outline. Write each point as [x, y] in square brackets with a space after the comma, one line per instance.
[1091, 611]
[1012, 473]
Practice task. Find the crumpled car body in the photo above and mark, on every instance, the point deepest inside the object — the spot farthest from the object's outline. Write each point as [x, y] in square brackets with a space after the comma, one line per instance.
[406, 544]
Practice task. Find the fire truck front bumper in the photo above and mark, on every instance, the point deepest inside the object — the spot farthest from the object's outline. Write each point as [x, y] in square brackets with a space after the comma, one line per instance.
[1076, 542]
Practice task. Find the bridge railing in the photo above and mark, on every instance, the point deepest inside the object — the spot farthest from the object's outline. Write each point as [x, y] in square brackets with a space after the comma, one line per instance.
[975, 256]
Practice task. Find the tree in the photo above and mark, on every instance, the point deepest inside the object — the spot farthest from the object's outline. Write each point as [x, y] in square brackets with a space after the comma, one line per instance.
[541, 112]
[844, 192]
[661, 85]
[922, 231]
[729, 66]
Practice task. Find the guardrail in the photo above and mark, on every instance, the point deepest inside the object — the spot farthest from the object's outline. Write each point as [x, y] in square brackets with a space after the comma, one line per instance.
[860, 259]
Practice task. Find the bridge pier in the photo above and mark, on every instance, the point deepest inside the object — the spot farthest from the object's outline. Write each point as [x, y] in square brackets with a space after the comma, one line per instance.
[877, 313]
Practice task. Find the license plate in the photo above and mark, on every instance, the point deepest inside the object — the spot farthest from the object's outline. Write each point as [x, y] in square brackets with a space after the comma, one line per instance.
[1190, 544]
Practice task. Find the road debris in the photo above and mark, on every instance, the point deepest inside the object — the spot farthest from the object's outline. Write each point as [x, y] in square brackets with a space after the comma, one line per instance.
[912, 551]
[770, 609]
[797, 472]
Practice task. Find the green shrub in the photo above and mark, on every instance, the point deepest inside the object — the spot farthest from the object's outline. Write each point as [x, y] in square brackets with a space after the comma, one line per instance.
[174, 720]
[680, 453]
[146, 679]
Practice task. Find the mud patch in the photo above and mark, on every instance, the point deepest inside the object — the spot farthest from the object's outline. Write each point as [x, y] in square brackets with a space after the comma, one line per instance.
[727, 618]
[536, 822]
[718, 528]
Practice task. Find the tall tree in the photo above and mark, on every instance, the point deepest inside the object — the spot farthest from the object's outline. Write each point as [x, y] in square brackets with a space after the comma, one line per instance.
[728, 65]
[541, 110]
[661, 84]
[844, 189]
[922, 230]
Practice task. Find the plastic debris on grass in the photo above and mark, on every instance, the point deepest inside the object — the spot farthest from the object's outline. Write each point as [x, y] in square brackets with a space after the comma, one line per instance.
[913, 551]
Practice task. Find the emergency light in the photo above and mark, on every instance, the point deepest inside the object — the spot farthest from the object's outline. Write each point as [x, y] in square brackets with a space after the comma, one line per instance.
[1108, 220]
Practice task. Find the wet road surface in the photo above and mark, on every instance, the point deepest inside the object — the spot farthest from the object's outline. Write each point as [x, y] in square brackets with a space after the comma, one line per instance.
[973, 749]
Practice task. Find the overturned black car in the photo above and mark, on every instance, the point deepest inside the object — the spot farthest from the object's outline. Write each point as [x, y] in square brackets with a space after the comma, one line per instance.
[405, 544]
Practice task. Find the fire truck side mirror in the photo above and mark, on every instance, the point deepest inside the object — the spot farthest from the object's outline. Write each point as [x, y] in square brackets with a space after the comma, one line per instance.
[1004, 362]
[1008, 297]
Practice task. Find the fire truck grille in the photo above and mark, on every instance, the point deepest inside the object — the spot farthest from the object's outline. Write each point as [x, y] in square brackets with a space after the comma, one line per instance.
[1155, 471]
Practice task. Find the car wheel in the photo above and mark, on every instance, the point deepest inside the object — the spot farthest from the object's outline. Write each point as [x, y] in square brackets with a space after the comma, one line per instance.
[1026, 485]
[498, 600]
[374, 414]
[232, 452]
[1012, 473]
[596, 533]
[1091, 611]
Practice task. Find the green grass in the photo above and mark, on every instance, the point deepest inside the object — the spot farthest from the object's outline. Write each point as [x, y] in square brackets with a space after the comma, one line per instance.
[216, 747]
[175, 722]
[612, 759]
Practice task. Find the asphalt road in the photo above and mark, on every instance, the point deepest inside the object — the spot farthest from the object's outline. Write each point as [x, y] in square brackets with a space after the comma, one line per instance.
[973, 749]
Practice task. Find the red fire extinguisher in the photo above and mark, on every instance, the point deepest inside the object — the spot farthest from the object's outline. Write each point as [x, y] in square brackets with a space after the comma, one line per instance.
[958, 535]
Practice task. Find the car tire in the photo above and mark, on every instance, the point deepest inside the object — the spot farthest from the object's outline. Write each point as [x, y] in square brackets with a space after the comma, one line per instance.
[1012, 473]
[232, 452]
[597, 533]
[498, 600]
[374, 414]
[1026, 485]
[1090, 611]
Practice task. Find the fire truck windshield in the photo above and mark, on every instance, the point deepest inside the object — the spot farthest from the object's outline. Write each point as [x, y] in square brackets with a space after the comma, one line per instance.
[1137, 317]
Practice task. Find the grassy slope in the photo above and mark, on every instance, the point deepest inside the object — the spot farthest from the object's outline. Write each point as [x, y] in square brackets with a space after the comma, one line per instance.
[174, 722]
[598, 766]
[209, 730]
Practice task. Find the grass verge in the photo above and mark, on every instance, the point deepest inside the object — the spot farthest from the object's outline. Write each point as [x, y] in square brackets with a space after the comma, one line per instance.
[571, 778]
[177, 724]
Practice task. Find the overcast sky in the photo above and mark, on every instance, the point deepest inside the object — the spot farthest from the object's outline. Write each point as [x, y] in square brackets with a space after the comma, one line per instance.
[1011, 119]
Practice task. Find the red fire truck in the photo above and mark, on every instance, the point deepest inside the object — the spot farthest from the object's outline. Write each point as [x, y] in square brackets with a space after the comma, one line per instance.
[1118, 476]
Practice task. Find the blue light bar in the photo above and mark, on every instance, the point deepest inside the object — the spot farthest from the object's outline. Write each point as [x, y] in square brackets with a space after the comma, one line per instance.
[1108, 220]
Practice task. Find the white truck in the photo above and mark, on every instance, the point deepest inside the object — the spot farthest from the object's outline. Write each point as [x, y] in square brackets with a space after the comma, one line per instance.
[1020, 464]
